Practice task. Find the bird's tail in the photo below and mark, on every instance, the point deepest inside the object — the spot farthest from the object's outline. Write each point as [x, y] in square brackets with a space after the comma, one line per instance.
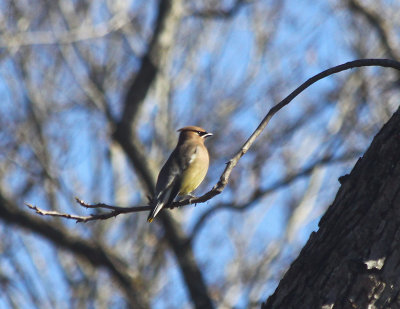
[155, 211]
[158, 202]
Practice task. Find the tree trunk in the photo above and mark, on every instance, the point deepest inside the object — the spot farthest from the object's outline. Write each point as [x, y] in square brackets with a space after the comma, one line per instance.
[353, 260]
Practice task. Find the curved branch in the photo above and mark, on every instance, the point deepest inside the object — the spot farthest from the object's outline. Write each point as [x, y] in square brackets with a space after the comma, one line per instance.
[224, 178]
[223, 181]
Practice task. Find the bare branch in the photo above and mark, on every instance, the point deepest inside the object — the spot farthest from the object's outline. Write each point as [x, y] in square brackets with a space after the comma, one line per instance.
[115, 211]
[84, 219]
[223, 181]
[115, 208]
[221, 13]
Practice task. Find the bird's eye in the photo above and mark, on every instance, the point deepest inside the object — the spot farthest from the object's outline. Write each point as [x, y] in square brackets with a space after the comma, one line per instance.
[199, 133]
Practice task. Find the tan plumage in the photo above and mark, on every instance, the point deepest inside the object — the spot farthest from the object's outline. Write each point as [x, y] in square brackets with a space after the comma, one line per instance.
[184, 170]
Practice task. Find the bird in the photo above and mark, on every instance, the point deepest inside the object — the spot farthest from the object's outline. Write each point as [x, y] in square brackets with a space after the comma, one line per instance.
[184, 170]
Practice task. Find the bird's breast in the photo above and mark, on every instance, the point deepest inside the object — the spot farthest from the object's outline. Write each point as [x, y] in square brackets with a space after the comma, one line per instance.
[195, 173]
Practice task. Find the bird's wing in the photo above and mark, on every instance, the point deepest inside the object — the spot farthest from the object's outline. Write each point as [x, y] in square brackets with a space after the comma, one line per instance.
[169, 180]
[188, 154]
[169, 174]
[170, 177]
[167, 186]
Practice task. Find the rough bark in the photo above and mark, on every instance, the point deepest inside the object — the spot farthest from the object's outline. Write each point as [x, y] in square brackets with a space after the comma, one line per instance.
[353, 260]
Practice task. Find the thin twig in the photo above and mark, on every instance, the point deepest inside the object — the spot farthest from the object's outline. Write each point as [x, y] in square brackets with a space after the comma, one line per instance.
[116, 208]
[115, 211]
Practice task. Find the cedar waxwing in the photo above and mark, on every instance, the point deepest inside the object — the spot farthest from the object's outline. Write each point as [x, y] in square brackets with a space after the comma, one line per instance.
[184, 170]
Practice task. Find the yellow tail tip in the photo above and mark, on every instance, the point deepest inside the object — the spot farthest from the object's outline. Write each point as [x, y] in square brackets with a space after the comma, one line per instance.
[150, 220]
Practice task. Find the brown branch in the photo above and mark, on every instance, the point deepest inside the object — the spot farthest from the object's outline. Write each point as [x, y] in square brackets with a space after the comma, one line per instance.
[224, 178]
[115, 211]
[223, 181]
[221, 13]
[84, 219]
[115, 208]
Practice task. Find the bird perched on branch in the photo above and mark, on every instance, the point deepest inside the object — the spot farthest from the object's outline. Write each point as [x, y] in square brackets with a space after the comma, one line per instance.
[184, 170]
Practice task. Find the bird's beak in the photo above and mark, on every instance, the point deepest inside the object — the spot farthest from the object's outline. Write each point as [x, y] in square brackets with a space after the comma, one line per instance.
[207, 135]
